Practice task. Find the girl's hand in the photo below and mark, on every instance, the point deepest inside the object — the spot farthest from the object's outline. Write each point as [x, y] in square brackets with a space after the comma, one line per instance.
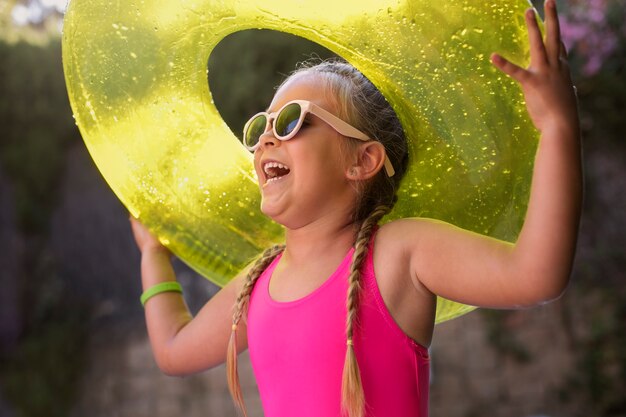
[546, 83]
[145, 240]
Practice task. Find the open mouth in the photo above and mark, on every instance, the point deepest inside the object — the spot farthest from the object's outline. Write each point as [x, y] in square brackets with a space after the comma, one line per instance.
[274, 171]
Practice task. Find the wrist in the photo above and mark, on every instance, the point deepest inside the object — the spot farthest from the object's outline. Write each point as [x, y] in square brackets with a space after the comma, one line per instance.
[564, 129]
[156, 251]
[163, 287]
[156, 267]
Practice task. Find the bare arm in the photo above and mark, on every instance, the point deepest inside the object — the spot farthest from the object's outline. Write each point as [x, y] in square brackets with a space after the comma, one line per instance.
[547, 241]
[183, 344]
[478, 270]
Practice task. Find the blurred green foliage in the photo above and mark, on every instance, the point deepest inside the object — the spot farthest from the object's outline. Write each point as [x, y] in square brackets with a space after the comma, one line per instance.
[40, 376]
[36, 125]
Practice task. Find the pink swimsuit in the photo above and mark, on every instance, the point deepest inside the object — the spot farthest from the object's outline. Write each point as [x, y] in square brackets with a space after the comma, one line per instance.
[298, 349]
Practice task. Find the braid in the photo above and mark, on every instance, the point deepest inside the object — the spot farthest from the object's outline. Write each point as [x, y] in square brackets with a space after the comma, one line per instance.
[240, 306]
[352, 395]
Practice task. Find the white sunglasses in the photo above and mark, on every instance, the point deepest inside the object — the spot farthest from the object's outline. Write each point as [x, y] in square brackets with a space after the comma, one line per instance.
[287, 121]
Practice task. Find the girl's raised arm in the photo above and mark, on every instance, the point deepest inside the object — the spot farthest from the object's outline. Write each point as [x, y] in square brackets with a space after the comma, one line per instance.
[481, 271]
[183, 344]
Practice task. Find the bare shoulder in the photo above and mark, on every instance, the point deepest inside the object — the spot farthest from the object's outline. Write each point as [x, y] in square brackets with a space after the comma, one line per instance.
[404, 234]
[391, 242]
[398, 241]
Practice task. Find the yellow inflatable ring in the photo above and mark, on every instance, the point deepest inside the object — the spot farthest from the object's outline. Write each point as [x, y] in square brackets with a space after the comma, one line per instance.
[136, 77]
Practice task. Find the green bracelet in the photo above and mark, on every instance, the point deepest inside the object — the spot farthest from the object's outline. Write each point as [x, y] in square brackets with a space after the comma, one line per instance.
[158, 289]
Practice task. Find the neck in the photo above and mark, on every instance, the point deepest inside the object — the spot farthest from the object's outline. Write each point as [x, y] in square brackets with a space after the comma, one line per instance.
[325, 236]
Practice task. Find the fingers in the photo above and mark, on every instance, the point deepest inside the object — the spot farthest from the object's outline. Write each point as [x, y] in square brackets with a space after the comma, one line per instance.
[542, 53]
[554, 47]
[137, 229]
[135, 224]
[538, 55]
[144, 239]
[563, 51]
[140, 231]
[514, 71]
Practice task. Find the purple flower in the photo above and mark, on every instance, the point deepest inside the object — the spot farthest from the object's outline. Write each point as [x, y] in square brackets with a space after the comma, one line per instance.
[586, 30]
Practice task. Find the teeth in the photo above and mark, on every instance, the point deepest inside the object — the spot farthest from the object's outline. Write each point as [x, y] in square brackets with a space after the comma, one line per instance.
[269, 165]
[274, 171]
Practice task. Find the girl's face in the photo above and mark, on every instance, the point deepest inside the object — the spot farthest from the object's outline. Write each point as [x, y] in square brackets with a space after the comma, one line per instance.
[303, 180]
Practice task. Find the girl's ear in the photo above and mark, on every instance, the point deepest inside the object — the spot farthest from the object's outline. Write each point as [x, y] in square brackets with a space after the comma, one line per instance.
[370, 159]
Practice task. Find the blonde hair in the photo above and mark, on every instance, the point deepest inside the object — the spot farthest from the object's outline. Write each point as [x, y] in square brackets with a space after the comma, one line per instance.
[241, 305]
[363, 106]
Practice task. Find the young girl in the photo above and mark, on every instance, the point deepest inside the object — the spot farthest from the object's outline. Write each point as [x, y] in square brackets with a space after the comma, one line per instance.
[339, 318]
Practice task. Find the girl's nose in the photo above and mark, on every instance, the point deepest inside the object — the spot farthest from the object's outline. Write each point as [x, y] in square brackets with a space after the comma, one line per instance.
[268, 139]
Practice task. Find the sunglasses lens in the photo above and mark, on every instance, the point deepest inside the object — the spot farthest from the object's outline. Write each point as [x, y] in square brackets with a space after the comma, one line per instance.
[254, 130]
[287, 120]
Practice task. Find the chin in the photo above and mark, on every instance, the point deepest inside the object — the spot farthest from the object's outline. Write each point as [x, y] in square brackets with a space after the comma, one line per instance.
[279, 216]
[271, 211]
